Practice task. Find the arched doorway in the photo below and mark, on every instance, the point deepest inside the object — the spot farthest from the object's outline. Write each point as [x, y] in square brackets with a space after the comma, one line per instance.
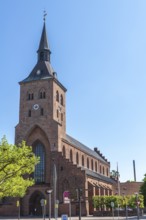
[35, 207]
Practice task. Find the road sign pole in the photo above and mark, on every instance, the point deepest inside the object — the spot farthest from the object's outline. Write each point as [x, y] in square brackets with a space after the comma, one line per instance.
[70, 210]
[112, 205]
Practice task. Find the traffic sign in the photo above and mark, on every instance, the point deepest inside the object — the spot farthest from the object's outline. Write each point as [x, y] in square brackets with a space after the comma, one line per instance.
[18, 203]
[64, 217]
[42, 201]
[112, 204]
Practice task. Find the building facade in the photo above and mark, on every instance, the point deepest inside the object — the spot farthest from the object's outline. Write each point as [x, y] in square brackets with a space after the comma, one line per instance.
[127, 188]
[42, 124]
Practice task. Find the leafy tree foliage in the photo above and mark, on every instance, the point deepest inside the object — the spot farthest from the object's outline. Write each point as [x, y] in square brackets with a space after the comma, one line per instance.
[16, 163]
[115, 174]
[119, 201]
[143, 189]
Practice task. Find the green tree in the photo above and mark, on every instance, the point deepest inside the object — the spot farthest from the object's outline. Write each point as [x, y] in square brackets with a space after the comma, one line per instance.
[16, 163]
[115, 174]
[119, 201]
[143, 189]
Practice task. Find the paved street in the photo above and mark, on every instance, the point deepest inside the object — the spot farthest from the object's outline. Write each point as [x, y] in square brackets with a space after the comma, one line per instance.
[82, 218]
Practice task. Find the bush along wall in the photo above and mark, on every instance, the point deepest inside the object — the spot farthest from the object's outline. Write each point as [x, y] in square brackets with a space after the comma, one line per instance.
[117, 205]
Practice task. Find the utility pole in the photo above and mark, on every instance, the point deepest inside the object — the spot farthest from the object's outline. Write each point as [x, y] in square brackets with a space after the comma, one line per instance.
[137, 205]
[79, 194]
[49, 191]
[18, 205]
[55, 184]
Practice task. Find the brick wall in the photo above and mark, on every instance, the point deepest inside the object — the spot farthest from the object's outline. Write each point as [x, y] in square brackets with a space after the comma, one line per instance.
[127, 188]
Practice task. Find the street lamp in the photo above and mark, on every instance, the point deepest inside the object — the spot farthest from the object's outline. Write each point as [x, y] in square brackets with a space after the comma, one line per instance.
[137, 204]
[49, 191]
[124, 199]
[79, 195]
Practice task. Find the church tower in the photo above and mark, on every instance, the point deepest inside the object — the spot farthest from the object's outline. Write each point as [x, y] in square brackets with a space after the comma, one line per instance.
[42, 122]
[42, 101]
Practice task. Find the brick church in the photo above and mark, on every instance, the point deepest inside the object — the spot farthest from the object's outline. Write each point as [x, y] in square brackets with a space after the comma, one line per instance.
[42, 124]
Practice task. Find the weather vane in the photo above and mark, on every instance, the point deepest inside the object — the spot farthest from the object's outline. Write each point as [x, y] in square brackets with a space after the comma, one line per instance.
[45, 14]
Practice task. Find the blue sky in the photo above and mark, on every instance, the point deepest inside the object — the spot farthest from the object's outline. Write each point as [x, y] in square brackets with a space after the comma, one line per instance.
[99, 53]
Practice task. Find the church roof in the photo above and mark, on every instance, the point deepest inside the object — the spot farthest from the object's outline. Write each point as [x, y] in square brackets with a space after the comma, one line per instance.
[84, 148]
[44, 41]
[98, 176]
[43, 69]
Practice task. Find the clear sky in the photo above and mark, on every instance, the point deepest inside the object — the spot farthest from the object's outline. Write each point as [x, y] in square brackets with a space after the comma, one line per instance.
[99, 53]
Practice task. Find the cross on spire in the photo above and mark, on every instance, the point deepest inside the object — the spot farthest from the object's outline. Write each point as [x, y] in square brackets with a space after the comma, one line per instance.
[44, 50]
[45, 14]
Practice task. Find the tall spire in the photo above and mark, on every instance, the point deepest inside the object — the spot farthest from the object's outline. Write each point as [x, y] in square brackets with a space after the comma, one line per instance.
[44, 50]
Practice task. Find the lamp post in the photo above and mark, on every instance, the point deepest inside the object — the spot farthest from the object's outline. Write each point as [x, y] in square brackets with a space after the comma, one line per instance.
[137, 205]
[49, 194]
[54, 190]
[124, 199]
[18, 205]
[79, 194]
[126, 210]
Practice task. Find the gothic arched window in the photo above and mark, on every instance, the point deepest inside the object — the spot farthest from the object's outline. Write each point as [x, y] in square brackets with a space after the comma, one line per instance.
[92, 166]
[57, 96]
[77, 158]
[96, 166]
[107, 171]
[29, 113]
[82, 160]
[39, 173]
[100, 168]
[71, 156]
[57, 113]
[61, 99]
[42, 94]
[88, 163]
[41, 111]
[63, 151]
[61, 116]
[30, 95]
[103, 170]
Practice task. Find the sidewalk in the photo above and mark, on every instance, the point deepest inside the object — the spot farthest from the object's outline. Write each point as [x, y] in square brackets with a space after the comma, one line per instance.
[77, 218]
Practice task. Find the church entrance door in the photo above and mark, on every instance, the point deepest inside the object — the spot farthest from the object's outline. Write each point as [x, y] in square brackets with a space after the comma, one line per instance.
[35, 208]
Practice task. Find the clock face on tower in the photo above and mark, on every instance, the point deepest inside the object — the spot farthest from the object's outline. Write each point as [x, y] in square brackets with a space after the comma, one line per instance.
[38, 72]
[36, 107]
